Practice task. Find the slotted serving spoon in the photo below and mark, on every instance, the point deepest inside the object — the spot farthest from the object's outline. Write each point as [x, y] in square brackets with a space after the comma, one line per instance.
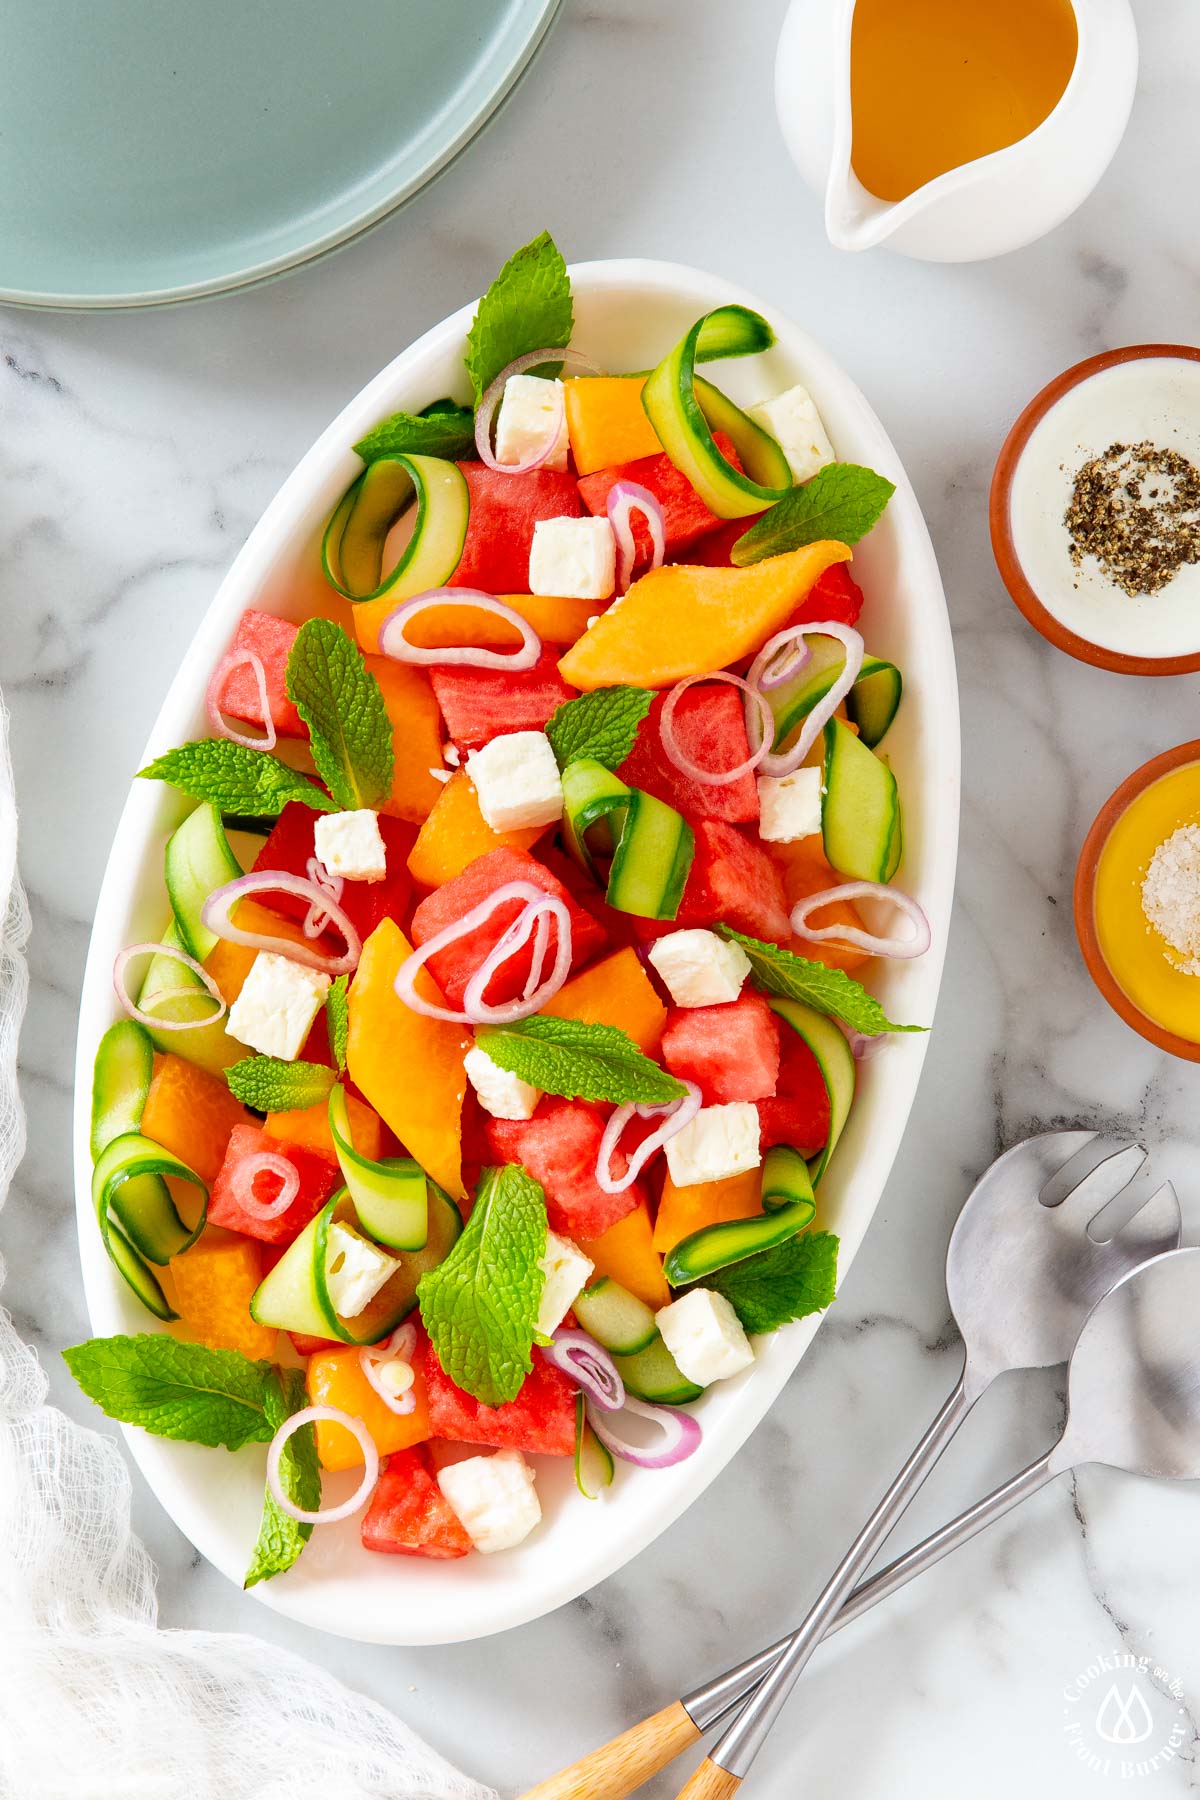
[1050, 1227]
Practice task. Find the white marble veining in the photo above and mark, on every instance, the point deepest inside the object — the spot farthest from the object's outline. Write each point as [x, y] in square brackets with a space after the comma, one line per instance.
[135, 453]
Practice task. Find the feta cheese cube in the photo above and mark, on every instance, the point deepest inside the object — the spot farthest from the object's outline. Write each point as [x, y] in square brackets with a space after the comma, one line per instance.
[566, 1269]
[795, 424]
[493, 1497]
[523, 423]
[575, 559]
[699, 968]
[719, 1141]
[705, 1336]
[503, 1095]
[351, 844]
[277, 1005]
[354, 1270]
[790, 806]
[517, 781]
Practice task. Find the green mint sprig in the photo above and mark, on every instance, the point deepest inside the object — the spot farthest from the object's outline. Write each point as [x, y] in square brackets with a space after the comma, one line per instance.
[480, 1305]
[842, 501]
[777, 1286]
[280, 1537]
[528, 307]
[579, 1061]
[338, 698]
[831, 991]
[244, 783]
[601, 725]
[444, 429]
[337, 1020]
[270, 1085]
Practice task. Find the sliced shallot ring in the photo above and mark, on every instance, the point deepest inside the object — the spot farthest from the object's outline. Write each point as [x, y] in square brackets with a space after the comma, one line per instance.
[916, 944]
[234, 659]
[678, 1113]
[680, 1429]
[540, 987]
[815, 721]
[589, 1365]
[316, 920]
[247, 1171]
[624, 498]
[400, 1346]
[216, 910]
[328, 1515]
[393, 643]
[494, 393]
[479, 915]
[670, 739]
[130, 1006]
[862, 1044]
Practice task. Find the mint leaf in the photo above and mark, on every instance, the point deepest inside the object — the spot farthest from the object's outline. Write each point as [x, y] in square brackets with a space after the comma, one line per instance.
[779, 1285]
[175, 1390]
[480, 1305]
[842, 502]
[601, 725]
[337, 1020]
[270, 1085]
[832, 991]
[446, 430]
[528, 307]
[280, 1537]
[244, 783]
[578, 1061]
[338, 698]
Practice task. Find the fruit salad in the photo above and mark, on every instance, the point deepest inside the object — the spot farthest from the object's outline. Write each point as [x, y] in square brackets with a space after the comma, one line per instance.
[473, 1105]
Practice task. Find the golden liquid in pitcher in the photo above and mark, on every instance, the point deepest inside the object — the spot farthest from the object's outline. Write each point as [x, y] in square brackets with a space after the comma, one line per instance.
[937, 83]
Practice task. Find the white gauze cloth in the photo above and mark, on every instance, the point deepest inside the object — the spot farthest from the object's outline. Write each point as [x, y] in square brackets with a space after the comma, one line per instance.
[97, 1703]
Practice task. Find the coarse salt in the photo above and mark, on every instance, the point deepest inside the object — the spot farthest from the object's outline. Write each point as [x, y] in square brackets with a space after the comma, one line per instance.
[1171, 896]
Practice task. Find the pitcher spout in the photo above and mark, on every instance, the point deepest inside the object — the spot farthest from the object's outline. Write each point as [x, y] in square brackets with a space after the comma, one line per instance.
[854, 218]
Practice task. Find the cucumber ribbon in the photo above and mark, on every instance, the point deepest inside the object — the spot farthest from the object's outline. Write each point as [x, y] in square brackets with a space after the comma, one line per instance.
[787, 1207]
[650, 844]
[391, 1197]
[352, 550]
[139, 1221]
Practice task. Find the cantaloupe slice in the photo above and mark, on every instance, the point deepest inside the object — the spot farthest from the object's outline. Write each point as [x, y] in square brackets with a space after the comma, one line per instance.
[617, 991]
[683, 1210]
[626, 1253]
[456, 833]
[408, 1067]
[416, 737]
[308, 1127]
[213, 1282]
[191, 1113]
[335, 1378]
[805, 871]
[607, 422]
[684, 620]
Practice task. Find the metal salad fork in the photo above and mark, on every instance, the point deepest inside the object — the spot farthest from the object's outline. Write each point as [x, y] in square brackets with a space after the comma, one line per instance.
[1051, 1226]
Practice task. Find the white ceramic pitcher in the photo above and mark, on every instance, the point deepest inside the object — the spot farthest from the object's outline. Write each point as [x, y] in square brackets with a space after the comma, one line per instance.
[982, 208]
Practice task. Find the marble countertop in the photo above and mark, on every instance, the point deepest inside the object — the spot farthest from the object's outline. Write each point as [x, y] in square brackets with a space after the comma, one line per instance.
[135, 453]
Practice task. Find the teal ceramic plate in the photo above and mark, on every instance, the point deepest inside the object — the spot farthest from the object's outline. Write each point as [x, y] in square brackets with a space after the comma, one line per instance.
[158, 152]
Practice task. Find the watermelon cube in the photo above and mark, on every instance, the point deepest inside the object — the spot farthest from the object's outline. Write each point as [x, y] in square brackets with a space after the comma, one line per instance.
[686, 518]
[304, 1345]
[834, 595]
[559, 1147]
[480, 704]
[365, 903]
[798, 1111]
[318, 1178]
[733, 881]
[271, 640]
[716, 550]
[731, 1052]
[409, 1515]
[540, 1421]
[710, 728]
[453, 967]
[504, 510]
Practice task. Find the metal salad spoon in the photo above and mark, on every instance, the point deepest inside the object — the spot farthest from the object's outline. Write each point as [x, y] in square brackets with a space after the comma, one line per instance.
[1049, 1228]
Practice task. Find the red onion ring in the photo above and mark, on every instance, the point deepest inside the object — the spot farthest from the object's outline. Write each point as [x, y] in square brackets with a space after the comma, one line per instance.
[514, 938]
[493, 393]
[670, 740]
[317, 921]
[309, 1415]
[678, 1113]
[393, 643]
[265, 1162]
[589, 1366]
[216, 910]
[212, 700]
[815, 722]
[862, 1045]
[624, 498]
[916, 944]
[130, 1006]
[401, 1346]
[681, 1431]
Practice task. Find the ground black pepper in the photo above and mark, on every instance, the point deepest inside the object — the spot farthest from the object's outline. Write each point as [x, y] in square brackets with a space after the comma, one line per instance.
[1136, 509]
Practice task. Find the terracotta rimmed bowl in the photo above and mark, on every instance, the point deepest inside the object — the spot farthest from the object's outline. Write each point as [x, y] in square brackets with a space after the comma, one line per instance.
[1085, 888]
[1003, 541]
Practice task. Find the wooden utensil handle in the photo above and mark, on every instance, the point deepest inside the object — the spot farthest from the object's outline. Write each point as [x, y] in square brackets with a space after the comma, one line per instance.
[710, 1782]
[620, 1767]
